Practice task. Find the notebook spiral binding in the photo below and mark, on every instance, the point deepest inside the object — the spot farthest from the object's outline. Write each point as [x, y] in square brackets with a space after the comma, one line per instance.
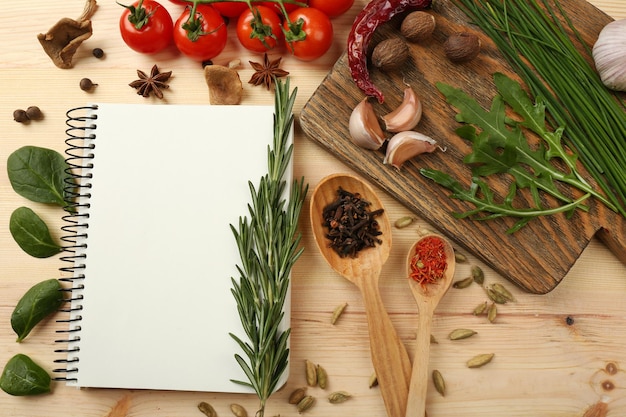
[81, 121]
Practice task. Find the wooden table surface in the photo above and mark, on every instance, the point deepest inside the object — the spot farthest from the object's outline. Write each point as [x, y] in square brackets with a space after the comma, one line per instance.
[551, 351]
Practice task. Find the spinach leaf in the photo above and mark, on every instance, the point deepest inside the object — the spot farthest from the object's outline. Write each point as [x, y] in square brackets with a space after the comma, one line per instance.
[36, 304]
[22, 376]
[31, 234]
[38, 174]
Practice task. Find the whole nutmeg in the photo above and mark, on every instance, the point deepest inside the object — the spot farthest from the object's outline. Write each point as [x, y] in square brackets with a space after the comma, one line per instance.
[390, 54]
[462, 46]
[418, 26]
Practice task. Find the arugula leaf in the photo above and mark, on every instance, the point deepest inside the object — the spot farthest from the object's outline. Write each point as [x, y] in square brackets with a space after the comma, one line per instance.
[32, 234]
[534, 118]
[500, 146]
[484, 200]
[38, 174]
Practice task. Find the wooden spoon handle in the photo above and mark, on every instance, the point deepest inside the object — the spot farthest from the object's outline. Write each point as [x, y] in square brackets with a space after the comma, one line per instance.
[416, 403]
[389, 356]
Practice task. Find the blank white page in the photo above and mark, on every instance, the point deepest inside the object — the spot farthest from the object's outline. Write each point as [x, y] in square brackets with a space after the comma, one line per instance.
[168, 181]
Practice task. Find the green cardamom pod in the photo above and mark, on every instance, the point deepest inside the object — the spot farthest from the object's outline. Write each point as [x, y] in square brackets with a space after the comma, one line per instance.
[478, 275]
[495, 296]
[492, 312]
[322, 377]
[339, 397]
[403, 222]
[459, 257]
[238, 410]
[464, 283]
[338, 312]
[503, 291]
[311, 373]
[207, 409]
[438, 381]
[305, 403]
[480, 309]
[459, 334]
[480, 360]
[297, 395]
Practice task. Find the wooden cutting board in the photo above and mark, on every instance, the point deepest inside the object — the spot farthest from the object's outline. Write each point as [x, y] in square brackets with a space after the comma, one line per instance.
[538, 256]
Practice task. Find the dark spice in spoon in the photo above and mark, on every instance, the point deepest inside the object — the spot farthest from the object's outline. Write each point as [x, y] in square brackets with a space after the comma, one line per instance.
[352, 226]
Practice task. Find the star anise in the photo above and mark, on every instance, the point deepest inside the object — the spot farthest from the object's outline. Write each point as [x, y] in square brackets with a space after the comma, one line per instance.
[265, 73]
[151, 84]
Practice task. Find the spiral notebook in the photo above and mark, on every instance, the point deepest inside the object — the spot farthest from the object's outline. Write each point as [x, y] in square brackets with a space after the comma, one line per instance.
[151, 250]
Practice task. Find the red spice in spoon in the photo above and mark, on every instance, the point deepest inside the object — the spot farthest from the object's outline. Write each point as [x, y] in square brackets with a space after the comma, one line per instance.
[428, 264]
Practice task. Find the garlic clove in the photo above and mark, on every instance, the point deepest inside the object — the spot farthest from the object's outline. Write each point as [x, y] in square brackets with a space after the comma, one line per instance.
[365, 131]
[406, 145]
[609, 55]
[407, 115]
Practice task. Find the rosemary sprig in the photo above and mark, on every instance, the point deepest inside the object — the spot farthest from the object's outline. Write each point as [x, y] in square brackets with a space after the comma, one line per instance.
[268, 243]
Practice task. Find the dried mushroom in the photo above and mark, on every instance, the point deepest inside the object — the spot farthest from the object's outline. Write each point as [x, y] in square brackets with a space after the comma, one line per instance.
[63, 39]
[224, 84]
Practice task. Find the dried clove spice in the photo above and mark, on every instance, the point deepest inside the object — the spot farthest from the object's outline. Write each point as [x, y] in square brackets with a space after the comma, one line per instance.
[352, 226]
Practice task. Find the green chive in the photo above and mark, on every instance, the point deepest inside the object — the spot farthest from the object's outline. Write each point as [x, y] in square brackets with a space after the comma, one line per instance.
[533, 36]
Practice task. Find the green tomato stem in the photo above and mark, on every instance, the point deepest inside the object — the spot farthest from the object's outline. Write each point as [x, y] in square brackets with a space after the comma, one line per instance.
[138, 16]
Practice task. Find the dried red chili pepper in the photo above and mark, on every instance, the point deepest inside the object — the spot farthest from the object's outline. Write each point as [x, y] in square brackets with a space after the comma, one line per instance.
[428, 264]
[375, 13]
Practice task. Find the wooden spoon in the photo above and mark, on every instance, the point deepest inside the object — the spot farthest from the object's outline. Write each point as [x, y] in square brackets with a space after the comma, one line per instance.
[427, 298]
[389, 356]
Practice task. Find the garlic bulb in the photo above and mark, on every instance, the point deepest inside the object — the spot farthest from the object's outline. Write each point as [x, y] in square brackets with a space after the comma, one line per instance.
[364, 128]
[609, 55]
[407, 115]
[406, 145]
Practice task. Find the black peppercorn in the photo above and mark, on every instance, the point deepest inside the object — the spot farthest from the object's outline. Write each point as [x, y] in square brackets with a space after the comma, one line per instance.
[97, 52]
[86, 84]
[569, 320]
[20, 116]
[207, 63]
[34, 113]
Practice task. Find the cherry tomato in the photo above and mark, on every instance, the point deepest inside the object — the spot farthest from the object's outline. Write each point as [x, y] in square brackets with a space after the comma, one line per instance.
[146, 27]
[288, 6]
[230, 9]
[201, 36]
[310, 33]
[259, 36]
[332, 8]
